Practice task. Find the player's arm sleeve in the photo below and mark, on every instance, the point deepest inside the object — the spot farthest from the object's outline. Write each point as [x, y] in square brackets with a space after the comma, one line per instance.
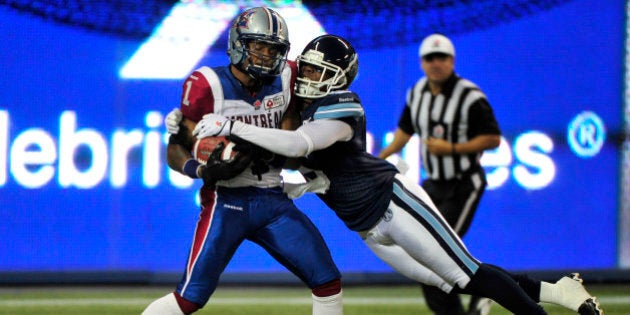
[196, 99]
[180, 145]
[316, 135]
[482, 120]
[197, 94]
[483, 131]
[404, 122]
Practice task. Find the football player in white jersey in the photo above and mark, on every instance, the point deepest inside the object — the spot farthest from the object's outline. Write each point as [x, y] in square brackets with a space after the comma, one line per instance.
[241, 200]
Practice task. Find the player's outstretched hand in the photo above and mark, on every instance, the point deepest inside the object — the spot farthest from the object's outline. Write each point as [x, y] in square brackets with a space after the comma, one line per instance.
[212, 125]
[172, 121]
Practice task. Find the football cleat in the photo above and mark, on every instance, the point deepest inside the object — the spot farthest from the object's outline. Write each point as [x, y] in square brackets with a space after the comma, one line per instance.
[590, 307]
[479, 305]
[575, 294]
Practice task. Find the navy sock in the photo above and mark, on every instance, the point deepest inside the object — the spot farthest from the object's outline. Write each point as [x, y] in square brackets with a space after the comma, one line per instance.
[530, 285]
[498, 285]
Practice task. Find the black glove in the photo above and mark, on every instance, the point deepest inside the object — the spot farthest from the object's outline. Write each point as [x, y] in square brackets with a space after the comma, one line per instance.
[260, 157]
[217, 169]
[257, 152]
[259, 167]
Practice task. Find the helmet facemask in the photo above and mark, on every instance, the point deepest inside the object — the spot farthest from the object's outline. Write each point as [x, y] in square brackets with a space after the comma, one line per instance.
[332, 76]
[258, 63]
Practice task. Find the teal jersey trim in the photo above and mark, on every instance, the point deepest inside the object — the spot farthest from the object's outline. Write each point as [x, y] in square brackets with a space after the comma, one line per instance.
[354, 110]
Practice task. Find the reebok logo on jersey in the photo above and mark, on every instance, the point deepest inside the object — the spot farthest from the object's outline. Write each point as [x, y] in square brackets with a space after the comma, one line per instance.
[232, 207]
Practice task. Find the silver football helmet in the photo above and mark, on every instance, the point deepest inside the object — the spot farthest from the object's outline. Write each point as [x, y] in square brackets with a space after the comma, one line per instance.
[335, 58]
[259, 25]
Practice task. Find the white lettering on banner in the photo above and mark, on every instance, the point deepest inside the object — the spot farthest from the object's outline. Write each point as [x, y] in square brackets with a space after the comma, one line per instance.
[531, 150]
[34, 157]
[498, 163]
[4, 144]
[70, 139]
[82, 156]
[533, 168]
[151, 152]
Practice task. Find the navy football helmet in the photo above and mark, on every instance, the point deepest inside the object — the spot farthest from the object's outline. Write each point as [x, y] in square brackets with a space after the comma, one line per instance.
[335, 58]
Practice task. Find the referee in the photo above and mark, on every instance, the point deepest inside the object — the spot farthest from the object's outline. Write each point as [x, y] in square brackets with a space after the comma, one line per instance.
[456, 124]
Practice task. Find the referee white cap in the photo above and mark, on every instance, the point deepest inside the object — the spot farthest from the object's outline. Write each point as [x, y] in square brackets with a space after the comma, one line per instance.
[436, 43]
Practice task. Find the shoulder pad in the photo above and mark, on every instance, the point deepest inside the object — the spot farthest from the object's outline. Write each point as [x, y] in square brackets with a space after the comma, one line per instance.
[338, 105]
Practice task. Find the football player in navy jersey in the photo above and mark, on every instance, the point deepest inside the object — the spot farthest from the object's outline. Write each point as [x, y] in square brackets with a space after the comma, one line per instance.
[393, 215]
[245, 201]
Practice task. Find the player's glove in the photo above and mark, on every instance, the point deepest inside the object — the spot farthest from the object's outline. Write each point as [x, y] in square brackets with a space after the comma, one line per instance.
[212, 125]
[316, 182]
[217, 169]
[261, 158]
[172, 121]
[257, 152]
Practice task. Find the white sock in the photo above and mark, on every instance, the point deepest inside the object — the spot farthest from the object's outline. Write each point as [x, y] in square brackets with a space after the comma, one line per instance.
[549, 292]
[328, 305]
[166, 305]
[553, 293]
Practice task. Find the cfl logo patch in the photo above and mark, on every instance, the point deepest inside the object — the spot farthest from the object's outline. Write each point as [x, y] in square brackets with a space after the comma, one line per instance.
[274, 102]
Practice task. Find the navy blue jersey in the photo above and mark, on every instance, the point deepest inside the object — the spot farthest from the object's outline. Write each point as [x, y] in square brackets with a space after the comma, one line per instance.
[360, 183]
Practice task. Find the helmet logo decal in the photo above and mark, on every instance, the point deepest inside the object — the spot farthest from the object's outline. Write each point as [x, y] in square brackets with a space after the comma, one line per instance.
[243, 20]
[314, 55]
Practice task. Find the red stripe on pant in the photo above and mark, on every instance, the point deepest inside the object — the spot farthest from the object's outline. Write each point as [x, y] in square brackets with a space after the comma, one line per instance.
[201, 231]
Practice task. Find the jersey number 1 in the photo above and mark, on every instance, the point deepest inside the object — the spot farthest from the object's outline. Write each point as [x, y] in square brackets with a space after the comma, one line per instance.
[185, 101]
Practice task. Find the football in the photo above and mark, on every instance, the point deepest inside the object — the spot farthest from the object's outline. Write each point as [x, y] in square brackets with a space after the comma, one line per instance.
[203, 148]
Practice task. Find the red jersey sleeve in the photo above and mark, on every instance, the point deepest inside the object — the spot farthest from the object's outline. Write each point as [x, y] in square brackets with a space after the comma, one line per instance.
[294, 71]
[197, 98]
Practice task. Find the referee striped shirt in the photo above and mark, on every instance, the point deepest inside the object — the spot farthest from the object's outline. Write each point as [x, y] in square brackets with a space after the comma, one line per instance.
[457, 114]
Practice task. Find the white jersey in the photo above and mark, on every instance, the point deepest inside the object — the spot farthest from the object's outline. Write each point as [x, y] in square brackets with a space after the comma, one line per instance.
[216, 90]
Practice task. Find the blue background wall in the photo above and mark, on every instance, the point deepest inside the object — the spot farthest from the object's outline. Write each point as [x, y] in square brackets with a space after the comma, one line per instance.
[540, 71]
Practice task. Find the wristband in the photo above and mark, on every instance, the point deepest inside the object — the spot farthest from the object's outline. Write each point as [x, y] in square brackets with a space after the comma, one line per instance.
[453, 149]
[190, 168]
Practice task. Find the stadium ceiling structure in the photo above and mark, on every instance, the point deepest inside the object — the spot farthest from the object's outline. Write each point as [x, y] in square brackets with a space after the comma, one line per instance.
[387, 20]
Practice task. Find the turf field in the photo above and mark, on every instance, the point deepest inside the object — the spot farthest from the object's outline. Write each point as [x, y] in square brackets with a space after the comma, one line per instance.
[359, 300]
